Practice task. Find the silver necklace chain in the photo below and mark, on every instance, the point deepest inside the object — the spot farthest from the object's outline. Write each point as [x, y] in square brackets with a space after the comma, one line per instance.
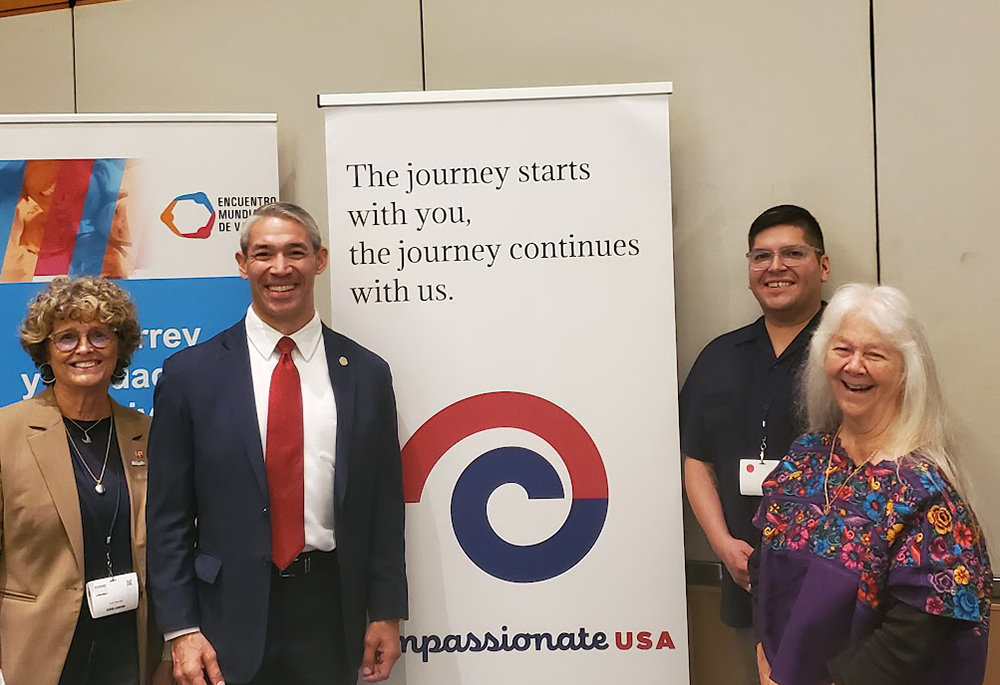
[86, 431]
[99, 485]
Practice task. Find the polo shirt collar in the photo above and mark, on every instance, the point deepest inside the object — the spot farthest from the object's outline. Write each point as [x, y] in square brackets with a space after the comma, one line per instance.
[805, 335]
[757, 331]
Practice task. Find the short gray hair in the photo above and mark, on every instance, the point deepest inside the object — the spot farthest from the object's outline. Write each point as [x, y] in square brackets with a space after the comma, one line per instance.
[282, 210]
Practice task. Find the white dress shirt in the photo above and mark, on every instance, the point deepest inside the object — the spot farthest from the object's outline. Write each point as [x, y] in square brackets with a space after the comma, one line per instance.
[319, 416]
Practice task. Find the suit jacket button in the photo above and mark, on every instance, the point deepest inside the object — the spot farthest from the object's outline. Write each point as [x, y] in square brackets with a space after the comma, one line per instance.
[264, 510]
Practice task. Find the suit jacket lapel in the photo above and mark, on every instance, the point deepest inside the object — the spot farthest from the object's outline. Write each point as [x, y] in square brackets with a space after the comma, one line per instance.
[342, 379]
[51, 450]
[234, 368]
[130, 431]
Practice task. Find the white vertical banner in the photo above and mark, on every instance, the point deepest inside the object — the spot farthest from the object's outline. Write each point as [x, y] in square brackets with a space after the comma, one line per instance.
[509, 253]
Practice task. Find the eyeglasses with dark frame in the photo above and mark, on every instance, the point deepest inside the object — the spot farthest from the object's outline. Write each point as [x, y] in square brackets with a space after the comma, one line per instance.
[69, 340]
[790, 255]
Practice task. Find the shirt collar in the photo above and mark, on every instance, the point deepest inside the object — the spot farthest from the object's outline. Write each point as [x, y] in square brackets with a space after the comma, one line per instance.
[747, 334]
[758, 331]
[263, 338]
[805, 335]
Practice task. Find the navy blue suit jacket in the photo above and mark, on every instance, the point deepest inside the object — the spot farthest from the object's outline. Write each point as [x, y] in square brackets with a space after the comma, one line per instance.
[209, 546]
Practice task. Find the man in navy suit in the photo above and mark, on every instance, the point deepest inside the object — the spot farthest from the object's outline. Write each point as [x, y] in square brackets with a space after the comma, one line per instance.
[275, 507]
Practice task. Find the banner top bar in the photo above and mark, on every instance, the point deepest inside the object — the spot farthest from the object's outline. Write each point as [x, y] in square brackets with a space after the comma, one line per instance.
[133, 118]
[494, 94]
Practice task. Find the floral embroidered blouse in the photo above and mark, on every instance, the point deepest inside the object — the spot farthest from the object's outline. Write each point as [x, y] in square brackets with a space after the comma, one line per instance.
[891, 529]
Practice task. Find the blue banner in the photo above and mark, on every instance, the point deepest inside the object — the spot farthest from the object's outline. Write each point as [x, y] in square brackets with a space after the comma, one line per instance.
[173, 314]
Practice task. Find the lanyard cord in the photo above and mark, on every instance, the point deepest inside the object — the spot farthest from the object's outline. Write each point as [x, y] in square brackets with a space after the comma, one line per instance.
[114, 518]
[118, 502]
[770, 402]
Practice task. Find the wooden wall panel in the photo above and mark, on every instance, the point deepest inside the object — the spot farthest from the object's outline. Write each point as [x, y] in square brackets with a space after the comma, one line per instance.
[9, 8]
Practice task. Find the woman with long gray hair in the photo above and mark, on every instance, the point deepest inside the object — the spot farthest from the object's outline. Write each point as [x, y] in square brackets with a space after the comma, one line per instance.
[873, 567]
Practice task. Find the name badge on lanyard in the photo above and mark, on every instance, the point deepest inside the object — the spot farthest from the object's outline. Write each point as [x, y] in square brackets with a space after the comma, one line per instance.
[752, 475]
[115, 593]
[754, 471]
[108, 596]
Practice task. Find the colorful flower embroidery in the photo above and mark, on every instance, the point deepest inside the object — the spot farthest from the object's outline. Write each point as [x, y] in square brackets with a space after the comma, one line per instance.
[939, 549]
[893, 531]
[943, 582]
[797, 537]
[966, 604]
[875, 502]
[963, 535]
[851, 554]
[887, 522]
[940, 518]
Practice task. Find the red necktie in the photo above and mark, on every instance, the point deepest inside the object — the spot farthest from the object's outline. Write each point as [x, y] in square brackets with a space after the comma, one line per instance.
[283, 459]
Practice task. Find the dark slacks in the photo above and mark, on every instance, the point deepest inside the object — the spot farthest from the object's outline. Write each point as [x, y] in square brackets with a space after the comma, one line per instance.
[104, 651]
[305, 626]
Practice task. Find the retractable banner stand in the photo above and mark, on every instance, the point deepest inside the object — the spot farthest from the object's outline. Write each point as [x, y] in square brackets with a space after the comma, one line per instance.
[154, 200]
[509, 253]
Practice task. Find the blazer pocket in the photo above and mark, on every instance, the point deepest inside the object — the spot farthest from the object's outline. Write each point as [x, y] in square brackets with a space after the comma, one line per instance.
[206, 567]
[20, 596]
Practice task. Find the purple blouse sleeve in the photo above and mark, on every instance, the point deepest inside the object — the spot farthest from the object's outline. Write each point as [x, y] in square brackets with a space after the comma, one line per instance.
[940, 564]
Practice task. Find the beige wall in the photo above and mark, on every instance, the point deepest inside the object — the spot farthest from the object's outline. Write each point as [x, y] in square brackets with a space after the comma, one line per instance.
[248, 56]
[772, 103]
[938, 151]
[36, 51]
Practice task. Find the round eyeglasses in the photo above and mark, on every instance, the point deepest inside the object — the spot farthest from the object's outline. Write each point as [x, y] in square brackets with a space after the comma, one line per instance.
[790, 255]
[69, 340]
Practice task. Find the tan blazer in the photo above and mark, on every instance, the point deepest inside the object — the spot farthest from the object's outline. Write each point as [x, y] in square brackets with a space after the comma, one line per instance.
[41, 537]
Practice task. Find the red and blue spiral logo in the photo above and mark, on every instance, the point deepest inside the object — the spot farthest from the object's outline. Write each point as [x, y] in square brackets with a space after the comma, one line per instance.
[512, 464]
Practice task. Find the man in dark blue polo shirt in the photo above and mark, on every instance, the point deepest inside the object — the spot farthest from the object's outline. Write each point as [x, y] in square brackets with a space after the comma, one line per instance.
[737, 402]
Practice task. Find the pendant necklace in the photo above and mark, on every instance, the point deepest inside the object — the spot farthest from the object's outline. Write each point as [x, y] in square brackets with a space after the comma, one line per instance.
[85, 431]
[99, 486]
[826, 475]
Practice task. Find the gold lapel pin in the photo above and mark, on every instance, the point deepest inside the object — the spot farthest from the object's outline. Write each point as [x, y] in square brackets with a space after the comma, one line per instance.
[343, 361]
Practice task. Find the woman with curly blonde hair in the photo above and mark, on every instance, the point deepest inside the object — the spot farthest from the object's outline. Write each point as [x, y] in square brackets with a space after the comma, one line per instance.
[72, 499]
[873, 568]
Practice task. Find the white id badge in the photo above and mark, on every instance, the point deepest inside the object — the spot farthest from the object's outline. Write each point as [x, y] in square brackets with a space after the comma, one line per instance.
[752, 475]
[113, 595]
